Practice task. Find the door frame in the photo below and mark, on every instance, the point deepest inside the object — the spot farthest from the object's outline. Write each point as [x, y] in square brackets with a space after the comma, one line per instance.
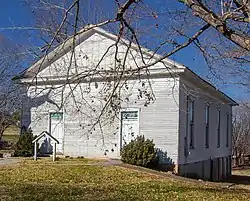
[129, 109]
[63, 122]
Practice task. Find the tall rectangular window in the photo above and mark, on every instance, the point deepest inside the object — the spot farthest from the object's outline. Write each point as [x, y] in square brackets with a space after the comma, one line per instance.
[218, 128]
[207, 126]
[190, 116]
[228, 127]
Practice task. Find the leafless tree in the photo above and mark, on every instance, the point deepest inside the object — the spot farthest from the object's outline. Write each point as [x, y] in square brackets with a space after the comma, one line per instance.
[9, 93]
[226, 49]
[218, 29]
[230, 18]
[7, 120]
[224, 28]
[241, 133]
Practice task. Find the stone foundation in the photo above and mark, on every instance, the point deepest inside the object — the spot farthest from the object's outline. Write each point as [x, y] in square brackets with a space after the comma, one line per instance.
[215, 169]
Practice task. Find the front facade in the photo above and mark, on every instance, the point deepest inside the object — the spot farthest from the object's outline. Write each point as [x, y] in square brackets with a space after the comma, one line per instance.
[185, 116]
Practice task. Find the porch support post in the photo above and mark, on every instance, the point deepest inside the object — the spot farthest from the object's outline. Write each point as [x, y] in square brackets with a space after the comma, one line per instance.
[35, 151]
[54, 152]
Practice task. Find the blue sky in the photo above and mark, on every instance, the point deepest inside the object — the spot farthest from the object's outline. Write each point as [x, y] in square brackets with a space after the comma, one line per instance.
[14, 13]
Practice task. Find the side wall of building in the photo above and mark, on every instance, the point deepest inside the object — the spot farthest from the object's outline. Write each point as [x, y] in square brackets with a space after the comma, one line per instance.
[212, 162]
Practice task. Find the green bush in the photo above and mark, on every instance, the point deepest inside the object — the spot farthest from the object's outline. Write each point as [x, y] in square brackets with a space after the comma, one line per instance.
[140, 152]
[24, 146]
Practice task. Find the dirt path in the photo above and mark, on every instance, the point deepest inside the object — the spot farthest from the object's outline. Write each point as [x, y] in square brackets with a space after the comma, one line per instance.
[9, 161]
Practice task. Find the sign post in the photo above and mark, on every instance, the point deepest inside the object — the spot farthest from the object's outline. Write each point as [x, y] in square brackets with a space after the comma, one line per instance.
[45, 134]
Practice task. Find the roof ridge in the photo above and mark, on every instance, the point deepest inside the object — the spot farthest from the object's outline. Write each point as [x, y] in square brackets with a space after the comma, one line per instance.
[53, 55]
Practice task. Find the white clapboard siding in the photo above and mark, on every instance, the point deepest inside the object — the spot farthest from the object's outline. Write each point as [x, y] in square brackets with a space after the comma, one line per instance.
[163, 120]
[90, 52]
[201, 98]
[157, 121]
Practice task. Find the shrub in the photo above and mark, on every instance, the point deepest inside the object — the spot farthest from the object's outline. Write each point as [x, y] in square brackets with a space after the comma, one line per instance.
[24, 146]
[140, 152]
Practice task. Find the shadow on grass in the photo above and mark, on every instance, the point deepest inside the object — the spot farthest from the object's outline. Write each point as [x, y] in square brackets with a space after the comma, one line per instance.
[112, 192]
[165, 163]
[239, 179]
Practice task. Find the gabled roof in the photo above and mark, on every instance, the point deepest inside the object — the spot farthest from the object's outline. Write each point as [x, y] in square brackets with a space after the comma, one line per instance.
[43, 134]
[82, 35]
[88, 31]
[212, 88]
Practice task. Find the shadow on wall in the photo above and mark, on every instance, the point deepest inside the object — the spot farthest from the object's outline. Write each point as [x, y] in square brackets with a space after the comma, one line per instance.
[29, 103]
[34, 103]
[46, 147]
[165, 162]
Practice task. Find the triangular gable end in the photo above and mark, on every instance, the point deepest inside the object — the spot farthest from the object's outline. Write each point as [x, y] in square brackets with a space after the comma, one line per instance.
[144, 50]
[59, 51]
[82, 35]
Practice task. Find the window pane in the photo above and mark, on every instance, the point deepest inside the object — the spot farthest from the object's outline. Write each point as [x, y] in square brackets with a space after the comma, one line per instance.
[207, 114]
[218, 128]
[218, 137]
[207, 137]
[130, 115]
[190, 121]
[218, 118]
[191, 110]
[56, 115]
[207, 126]
[191, 135]
[227, 137]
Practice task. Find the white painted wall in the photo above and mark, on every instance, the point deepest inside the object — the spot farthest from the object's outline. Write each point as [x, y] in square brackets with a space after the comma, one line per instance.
[202, 97]
[90, 52]
[158, 121]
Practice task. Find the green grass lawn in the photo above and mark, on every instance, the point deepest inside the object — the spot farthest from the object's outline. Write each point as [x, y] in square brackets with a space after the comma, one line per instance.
[11, 134]
[245, 172]
[77, 179]
[12, 130]
[10, 138]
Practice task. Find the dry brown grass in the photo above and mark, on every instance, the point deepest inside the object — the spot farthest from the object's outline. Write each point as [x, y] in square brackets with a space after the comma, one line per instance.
[77, 179]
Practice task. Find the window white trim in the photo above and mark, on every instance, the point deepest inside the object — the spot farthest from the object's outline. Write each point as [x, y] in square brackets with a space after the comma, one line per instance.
[207, 124]
[63, 122]
[121, 123]
[218, 127]
[227, 129]
[190, 121]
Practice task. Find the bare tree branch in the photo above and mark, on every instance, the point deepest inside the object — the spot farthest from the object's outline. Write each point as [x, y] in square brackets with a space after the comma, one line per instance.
[219, 23]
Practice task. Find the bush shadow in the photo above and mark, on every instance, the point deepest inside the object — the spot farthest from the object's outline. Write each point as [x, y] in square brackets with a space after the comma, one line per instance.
[165, 163]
